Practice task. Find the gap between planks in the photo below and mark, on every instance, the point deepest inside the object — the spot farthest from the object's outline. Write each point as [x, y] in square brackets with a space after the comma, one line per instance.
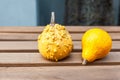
[72, 29]
[36, 60]
[34, 36]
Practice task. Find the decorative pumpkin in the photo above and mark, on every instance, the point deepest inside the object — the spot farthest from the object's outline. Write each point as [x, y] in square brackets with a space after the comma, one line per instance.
[96, 44]
[55, 43]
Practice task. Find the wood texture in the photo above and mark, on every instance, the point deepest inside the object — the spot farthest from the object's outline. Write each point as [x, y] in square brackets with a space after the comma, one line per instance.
[35, 59]
[72, 29]
[20, 59]
[31, 33]
[31, 46]
[61, 73]
[34, 36]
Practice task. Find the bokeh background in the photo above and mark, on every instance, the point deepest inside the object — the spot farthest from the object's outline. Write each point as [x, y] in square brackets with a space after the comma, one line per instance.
[68, 12]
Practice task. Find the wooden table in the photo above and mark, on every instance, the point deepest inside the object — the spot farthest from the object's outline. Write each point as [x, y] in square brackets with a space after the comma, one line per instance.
[20, 59]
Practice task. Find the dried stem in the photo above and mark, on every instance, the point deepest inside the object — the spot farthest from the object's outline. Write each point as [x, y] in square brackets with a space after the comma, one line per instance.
[84, 62]
[52, 22]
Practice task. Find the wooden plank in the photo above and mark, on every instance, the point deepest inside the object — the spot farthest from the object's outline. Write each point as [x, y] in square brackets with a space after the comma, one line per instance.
[115, 45]
[31, 46]
[81, 29]
[18, 46]
[61, 73]
[35, 59]
[72, 29]
[34, 36]
[21, 29]
[78, 36]
[18, 37]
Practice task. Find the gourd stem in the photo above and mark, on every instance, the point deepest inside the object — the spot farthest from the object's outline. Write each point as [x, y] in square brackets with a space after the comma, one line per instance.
[52, 22]
[84, 62]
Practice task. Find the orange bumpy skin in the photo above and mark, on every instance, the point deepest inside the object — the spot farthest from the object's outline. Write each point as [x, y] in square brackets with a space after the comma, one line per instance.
[55, 43]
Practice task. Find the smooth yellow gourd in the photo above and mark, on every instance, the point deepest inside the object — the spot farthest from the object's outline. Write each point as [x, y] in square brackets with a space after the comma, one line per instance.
[55, 42]
[96, 44]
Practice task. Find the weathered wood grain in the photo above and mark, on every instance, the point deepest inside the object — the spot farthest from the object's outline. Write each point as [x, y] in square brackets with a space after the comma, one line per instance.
[78, 36]
[20, 59]
[61, 73]
[18, 37]
[72, 29]
[35, 59]
[31, 46]
[34, 36]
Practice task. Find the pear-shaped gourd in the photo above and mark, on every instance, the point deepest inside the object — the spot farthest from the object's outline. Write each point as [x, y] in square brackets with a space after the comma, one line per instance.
[55, 43]
[96, 44]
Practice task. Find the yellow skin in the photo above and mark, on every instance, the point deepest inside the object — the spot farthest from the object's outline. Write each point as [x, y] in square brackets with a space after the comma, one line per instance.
[96, 44]
[55, 42]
